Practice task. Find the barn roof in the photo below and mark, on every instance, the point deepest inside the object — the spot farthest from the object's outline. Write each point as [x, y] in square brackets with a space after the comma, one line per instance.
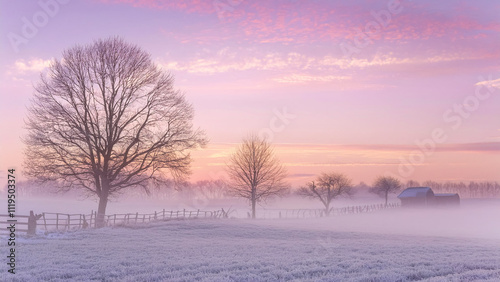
[446, 194]
[415, 192]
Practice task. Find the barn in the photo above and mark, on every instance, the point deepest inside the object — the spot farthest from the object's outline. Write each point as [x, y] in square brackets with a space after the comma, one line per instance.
[424, 196]
[416, 196]
[447, 199]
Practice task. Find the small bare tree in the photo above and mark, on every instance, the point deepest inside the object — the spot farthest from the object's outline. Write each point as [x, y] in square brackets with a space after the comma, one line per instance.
[211, 189]
[384, 185]
[105, 118]
[327, 187]
[254, 173]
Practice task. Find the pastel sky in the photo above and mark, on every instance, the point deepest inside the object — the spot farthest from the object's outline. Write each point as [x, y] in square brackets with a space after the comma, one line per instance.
[348, 86]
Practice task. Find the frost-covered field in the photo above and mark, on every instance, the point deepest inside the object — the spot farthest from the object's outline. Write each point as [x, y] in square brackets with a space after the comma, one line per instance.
[370, 247]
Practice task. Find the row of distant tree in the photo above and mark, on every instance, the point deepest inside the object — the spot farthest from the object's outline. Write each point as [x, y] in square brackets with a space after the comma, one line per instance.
[473, 189]
[218, 189]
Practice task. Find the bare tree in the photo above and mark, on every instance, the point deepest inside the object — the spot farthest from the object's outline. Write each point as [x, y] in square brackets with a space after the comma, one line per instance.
[105, 118]
[254, 173]
[327, 187]
[211, 189]
[412, 183]
[384, 185]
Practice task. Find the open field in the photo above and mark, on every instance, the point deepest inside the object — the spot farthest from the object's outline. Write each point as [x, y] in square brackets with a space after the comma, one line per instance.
[388, 245]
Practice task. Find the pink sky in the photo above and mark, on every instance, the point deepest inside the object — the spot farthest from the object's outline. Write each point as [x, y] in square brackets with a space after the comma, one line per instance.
[361, 82]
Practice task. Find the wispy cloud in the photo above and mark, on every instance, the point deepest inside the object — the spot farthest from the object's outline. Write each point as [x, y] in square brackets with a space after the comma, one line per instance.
[463, 147]
[33, 65]
[190, 6]
[326, 21]
[490, 83]
[294, 61]
[304, 78]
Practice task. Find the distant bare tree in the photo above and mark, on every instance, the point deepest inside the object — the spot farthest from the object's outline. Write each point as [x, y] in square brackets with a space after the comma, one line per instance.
[254, 173]
[384, 185]
[211, 189]
[328, 186]
[361, 187]
[412, 183]
[105, 118]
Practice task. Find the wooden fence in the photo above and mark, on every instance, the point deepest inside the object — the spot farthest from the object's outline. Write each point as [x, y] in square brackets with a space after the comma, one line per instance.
[22, 223]
[309, 213]
[129, 218]
[50, 222]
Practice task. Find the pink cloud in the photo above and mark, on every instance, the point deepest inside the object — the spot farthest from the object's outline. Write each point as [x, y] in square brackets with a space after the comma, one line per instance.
[316, 21]
[190, 6]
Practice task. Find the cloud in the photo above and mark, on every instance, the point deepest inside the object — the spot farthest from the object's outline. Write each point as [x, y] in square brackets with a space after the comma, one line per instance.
[491, 147]
[300, 175]
[304, 78]
[343, 164]
[189, 6]
[225, 61]
[33, 65]
[288, 21]
[490, 83]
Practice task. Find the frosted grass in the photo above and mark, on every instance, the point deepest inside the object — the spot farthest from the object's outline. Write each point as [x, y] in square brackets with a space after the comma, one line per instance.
[243, 250]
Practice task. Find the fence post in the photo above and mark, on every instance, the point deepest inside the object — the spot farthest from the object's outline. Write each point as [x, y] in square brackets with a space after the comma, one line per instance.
[44, 222]
[163, 214]
[91, 215]
[136, 216]
[69, 222]
[32, 223]
[85, 224]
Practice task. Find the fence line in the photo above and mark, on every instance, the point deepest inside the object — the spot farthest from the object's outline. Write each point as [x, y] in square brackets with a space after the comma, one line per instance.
[65, 222]
[310, 213]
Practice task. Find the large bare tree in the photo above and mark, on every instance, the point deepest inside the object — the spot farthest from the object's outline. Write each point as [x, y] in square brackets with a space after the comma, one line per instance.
[327, 187]
[105, 118]
[384, 185]
[255, 173]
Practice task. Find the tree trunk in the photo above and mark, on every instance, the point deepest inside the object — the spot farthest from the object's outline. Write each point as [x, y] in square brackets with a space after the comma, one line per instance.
[327, 209]
[254, 201]
[386, 196]
[101, 211]
[253, 208]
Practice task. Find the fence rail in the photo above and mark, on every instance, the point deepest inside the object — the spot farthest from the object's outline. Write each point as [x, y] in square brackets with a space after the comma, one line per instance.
[311, 213]
[65, 222]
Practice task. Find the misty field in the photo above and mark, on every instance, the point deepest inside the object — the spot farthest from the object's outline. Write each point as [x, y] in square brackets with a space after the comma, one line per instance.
[391, 245]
